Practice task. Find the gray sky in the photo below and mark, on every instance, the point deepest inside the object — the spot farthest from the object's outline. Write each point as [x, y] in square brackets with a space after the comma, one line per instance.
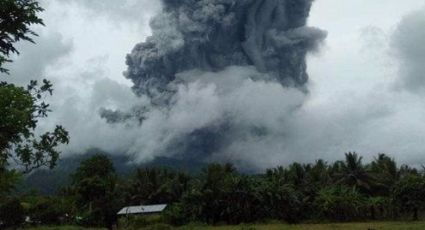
[366, 83]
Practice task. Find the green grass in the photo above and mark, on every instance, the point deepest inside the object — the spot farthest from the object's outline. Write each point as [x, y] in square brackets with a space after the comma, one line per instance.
[63, 228]
[348, 226]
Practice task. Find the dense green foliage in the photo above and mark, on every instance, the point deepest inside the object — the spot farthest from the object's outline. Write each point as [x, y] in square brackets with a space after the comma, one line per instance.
[11, 212]
[20, 111]
[16, 17]
[343, 191]
[94, 187]
[21, 108]
[273, 226]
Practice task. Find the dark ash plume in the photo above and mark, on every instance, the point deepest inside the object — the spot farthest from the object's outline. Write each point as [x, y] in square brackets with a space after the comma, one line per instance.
[220, 77]
[213, 34]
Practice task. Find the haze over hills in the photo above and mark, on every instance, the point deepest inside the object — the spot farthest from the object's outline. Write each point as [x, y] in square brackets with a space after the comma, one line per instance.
[49, 182]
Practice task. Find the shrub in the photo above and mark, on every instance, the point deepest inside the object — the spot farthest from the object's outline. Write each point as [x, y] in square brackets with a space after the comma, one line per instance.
[47, 211]
[11, 213]
[175, 215]
[341, 203]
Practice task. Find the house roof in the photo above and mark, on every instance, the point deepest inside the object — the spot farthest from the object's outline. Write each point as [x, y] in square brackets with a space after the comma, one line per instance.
[142, 209]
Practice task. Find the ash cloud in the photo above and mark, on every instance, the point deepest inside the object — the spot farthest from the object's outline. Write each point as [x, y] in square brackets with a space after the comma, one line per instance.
[211, 35]
[217, 76]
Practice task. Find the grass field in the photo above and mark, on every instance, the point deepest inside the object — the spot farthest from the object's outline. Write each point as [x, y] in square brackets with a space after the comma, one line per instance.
[349, 226]
[60, 228]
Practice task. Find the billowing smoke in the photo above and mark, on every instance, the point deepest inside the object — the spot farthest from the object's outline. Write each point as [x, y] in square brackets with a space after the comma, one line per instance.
[220, 79]
[211, 35]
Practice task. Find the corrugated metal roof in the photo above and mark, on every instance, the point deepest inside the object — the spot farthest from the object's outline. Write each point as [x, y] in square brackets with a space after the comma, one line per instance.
[142, 209]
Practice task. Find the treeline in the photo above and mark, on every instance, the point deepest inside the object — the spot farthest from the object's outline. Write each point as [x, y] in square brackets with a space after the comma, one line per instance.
[346, 190]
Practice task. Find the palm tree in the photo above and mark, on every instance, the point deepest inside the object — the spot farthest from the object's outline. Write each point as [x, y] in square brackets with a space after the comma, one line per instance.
[153, 185]
[409, 194]
[353, 173]
[318, 174]
[385, 170]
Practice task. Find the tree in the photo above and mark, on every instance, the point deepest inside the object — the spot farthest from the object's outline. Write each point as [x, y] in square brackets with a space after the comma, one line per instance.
[21, 108]
[409, 194]
[155, 186]
[11, 213]
[318, 175]
[94, 184]
[282, 193]
[8, 179]
[283, 202]
[384, 170]
[218, 194]
[340, 203]
[16, 17]
[48, 210]
[385, 174]
[351, 172]
[215, 182]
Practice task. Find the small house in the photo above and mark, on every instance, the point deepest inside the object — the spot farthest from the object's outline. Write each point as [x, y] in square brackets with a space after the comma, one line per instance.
[142, 209]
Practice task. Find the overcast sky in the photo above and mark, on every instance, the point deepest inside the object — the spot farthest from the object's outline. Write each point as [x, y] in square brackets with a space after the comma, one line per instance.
[366, 86]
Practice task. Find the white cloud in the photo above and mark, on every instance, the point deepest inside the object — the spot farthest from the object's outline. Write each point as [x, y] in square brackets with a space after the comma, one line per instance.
[408, 45]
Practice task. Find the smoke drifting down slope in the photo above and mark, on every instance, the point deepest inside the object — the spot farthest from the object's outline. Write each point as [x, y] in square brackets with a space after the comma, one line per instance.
[220, 79]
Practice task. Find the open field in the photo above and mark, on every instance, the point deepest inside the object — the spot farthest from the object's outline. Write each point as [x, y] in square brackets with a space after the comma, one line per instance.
[60, 228]
[348, 226]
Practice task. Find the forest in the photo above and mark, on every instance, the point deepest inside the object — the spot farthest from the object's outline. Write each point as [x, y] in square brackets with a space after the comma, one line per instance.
[343, 191]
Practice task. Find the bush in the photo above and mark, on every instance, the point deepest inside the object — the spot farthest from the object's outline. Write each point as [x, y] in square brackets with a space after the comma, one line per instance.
[12, 213]
[175, 215]
[284, 202]
[86, 219]
[47, 211]
[341, 203]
